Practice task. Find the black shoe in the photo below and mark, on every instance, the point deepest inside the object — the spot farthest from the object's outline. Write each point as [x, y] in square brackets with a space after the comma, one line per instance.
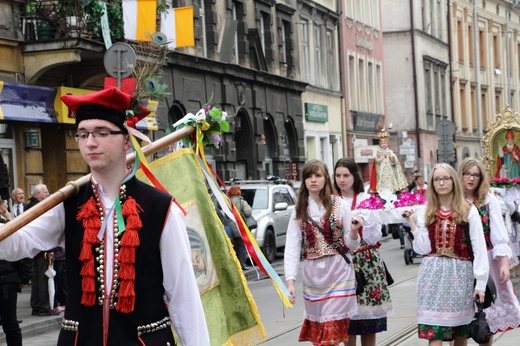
[244, 267]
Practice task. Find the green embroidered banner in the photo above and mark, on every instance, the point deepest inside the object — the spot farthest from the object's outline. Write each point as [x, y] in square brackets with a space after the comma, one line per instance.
[231, 313]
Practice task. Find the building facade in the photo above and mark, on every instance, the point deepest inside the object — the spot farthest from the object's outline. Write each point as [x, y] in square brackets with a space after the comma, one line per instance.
[363, 80]
[245, 58]
[417, 77]
[485, 63]
[319, 62]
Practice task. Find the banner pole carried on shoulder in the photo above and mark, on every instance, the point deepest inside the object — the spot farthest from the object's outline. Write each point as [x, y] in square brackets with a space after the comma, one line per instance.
[72, 187]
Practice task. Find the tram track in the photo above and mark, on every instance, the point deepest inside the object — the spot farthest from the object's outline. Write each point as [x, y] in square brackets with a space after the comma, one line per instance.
[397, 338]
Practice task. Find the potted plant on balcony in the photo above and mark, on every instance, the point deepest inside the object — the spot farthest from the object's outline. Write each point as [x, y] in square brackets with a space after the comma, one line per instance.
[94, 10]
[47, 17]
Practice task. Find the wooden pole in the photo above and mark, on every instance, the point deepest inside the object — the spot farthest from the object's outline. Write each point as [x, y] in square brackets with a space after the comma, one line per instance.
[72, 188]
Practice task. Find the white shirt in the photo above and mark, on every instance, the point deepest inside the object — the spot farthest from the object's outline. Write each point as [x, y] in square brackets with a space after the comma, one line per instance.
[498, 232]
[182, 294]
[294, 236]
[15, 212]
[371, 233]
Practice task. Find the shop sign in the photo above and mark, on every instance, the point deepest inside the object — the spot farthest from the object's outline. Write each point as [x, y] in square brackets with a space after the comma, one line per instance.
[317, 113]
[363, 154]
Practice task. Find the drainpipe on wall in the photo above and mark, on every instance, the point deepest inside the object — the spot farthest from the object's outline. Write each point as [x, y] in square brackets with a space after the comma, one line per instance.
[415, 96]
[343, 86]
[477, 76]
[450, 64]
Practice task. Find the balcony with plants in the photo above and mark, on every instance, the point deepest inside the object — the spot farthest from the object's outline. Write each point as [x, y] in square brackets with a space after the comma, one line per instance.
[54, 20]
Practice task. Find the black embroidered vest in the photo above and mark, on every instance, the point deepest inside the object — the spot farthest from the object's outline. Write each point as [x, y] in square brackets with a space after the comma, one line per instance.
[149, 302]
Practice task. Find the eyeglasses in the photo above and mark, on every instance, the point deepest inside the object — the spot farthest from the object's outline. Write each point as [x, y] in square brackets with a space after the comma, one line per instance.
[83, 135]
[443, 179]
[468, 175]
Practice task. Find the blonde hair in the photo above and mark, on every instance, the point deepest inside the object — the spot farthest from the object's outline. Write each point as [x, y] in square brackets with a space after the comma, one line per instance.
[459, 205]
[483, 185]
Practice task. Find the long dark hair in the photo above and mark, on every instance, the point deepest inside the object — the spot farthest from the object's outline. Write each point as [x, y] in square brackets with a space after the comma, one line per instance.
[352, 166]
[310, 168]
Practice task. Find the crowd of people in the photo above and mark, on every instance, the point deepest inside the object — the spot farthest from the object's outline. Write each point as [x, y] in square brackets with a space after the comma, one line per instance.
[15, 275]
[459, 231]
[116, 285]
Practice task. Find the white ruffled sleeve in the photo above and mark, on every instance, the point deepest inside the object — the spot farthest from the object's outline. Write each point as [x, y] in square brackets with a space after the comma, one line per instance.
[498, 232]
[421, 241]
[293, 245]
[478, 244]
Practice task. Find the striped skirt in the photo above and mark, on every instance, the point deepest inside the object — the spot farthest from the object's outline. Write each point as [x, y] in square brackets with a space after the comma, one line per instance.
[329, 292]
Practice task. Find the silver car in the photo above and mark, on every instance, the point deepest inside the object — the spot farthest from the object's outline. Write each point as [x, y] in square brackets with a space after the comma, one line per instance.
[272, 203]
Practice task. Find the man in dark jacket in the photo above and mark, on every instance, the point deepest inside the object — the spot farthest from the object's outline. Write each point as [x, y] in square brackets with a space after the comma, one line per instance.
[39, 289]
[13, 275]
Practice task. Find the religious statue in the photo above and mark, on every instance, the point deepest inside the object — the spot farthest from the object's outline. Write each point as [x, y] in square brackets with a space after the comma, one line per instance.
[390, 175]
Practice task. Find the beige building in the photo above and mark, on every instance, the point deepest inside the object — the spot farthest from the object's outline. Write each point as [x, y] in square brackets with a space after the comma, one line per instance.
[485, 61]
[318, 34]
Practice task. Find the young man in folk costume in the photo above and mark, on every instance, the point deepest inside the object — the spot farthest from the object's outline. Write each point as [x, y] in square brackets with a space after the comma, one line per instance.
[118, 273]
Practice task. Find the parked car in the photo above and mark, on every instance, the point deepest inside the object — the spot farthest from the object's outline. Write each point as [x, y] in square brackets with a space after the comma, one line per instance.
[273, 202]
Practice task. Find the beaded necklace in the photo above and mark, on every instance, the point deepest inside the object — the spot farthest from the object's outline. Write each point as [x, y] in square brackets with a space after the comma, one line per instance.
[444, 214]
[126, 239]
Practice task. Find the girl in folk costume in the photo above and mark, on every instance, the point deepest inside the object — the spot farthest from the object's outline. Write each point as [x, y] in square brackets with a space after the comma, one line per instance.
[319, 230]
[374, 304]
[505, 313]
[390, 175]
[420, 185]
[445, 283]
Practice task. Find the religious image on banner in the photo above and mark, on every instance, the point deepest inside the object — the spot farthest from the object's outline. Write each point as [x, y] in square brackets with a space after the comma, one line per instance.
[501, 146]
[203, 266]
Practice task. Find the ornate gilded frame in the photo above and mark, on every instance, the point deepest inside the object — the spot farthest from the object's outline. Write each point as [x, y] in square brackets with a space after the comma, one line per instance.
[495, 136]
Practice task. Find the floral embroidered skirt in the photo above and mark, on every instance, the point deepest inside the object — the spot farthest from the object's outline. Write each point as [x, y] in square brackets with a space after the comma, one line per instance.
[444, 295]
[374, 303]
[329, 292]
[505, 313]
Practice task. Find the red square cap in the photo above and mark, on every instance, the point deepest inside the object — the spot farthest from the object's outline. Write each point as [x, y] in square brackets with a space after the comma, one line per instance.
[109, 104]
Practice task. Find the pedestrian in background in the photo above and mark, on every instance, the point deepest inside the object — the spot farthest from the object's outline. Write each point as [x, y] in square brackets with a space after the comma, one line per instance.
[374, 304]
[445, 282]
[17, 202]
[40, 281]
[13, 276]
[5, 215]
[412, 182]
[504, 314]
[319, 230]
[245, 209]
[420, 186]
